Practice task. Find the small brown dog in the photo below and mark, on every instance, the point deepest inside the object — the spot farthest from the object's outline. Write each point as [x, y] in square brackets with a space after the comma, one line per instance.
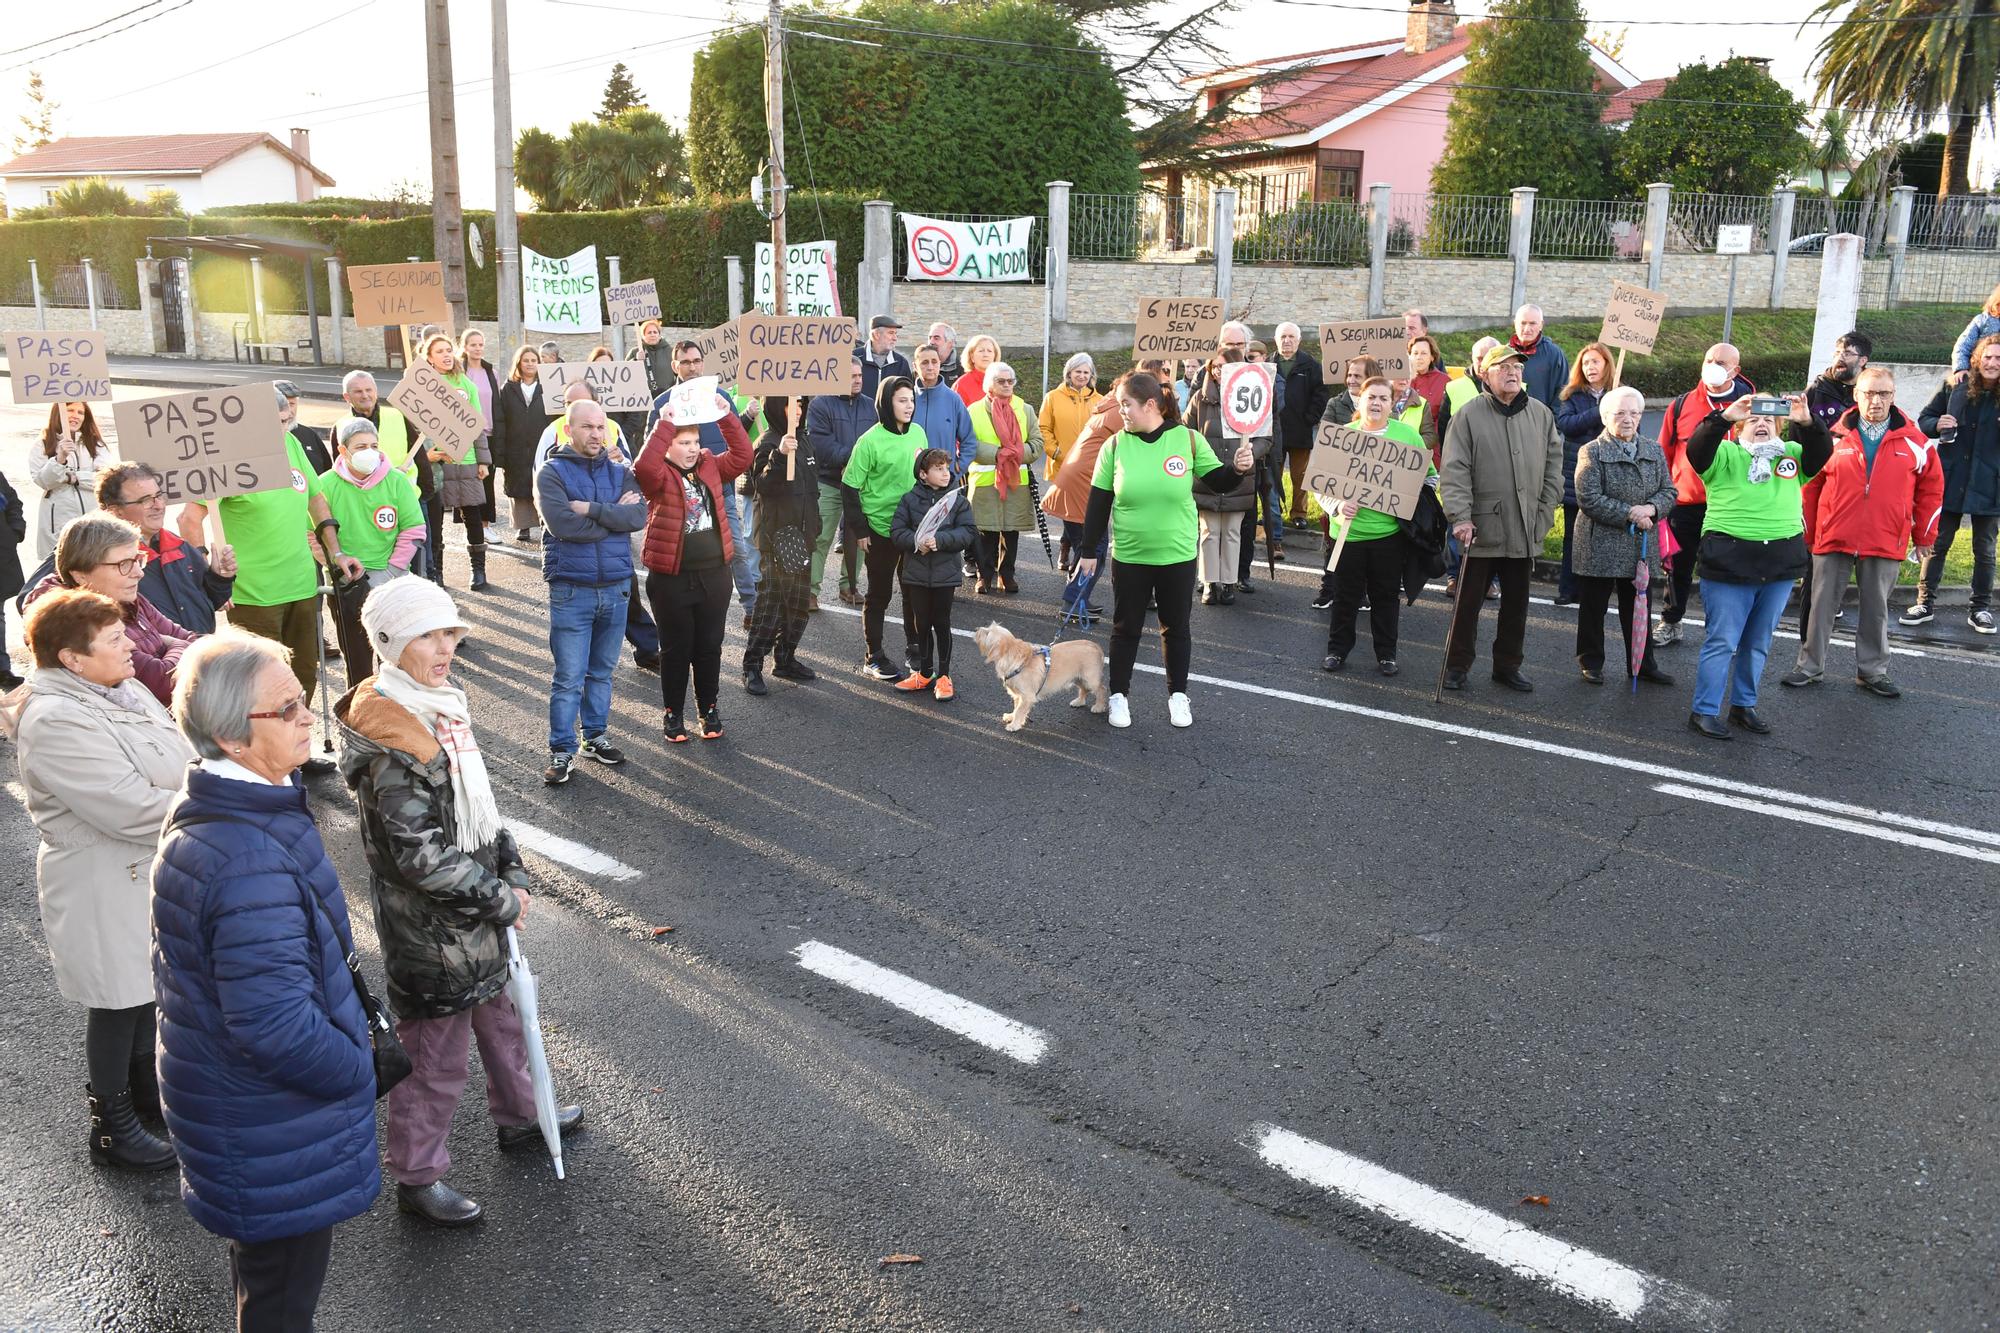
[1030, 672]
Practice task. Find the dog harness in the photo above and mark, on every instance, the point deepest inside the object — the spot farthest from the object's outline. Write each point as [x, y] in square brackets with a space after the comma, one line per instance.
[1043, 649]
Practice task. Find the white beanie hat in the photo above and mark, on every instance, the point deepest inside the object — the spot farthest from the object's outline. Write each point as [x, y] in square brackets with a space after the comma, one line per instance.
[404, 609]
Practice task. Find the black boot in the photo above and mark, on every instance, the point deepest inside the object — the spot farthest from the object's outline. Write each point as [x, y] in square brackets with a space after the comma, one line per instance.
[145, 1089]
[753, 677]
[477, 554]
[118, 1140]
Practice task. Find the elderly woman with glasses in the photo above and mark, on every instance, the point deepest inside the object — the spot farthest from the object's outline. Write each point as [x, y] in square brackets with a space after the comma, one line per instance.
[1623, 492]
[100, 764]
[447, 882]
[1009, 440]
[107, 555]
[267, 1074]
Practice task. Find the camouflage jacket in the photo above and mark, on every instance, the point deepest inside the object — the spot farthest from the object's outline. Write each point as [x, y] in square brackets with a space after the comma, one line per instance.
[439, 911]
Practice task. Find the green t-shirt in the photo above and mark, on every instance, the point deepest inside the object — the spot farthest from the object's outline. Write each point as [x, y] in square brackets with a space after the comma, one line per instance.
[1372, 524]
[371, 519]
[882, 468]
[271, 531]
[1768, 511]
[1152, 494]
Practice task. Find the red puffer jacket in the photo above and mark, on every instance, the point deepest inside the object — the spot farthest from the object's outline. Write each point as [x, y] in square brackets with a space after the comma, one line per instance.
[661, 485]
[1880, 512]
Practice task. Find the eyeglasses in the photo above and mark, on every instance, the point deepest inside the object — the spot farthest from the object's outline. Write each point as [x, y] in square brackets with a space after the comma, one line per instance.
[291, 712]
[156, 497]
[135, 565]
[1876, 393]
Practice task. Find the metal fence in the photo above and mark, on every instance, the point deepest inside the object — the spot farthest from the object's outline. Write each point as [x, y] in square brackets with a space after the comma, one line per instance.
[1466, 226]
[1692, 221]
[1138, 226]
[1814, 218]
[1929, 277]
[1956, 222]
[63, 287]
[1334, 234]
[1038, 235]
[1589, 229]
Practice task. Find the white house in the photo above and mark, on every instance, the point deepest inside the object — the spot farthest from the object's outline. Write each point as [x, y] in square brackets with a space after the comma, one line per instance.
[206, 170]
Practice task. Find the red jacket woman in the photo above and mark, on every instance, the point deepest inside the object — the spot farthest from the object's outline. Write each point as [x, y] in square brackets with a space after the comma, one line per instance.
[666, 496]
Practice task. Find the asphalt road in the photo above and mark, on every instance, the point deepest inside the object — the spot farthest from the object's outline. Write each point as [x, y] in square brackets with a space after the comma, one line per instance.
[1732, 1030]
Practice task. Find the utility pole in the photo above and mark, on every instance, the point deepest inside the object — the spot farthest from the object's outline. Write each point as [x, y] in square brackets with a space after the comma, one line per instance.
[506, 232]
[447, 216]
[774, 120]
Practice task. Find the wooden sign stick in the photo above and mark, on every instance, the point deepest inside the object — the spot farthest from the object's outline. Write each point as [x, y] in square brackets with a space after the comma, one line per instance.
[1620, 372]
[1339, 544]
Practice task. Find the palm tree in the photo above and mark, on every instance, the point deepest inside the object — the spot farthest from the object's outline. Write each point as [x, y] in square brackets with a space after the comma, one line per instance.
[1916, 59]
[1827, 153]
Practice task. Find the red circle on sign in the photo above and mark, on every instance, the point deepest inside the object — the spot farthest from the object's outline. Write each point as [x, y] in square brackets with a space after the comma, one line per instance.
[950, 247]
[1175, 466]
[385, 517]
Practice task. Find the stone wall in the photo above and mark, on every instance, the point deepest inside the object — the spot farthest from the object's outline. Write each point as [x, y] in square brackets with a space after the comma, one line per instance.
[125, 332]
[1008, 312]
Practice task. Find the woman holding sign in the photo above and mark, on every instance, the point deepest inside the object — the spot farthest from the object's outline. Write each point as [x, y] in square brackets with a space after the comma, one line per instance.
[1370, 549]
[1143, 491]
[1221, 515]
[66, 470]
[460, 486]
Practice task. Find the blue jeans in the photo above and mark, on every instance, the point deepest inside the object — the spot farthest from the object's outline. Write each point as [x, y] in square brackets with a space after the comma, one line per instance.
[743, 564]
[586, 625]
[1741, 617]
[640, 631]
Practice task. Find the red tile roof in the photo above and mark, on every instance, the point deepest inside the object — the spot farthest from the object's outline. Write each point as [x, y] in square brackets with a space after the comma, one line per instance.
[1625, 101]
[1250, 67]
[137, 153]
[1316, 96]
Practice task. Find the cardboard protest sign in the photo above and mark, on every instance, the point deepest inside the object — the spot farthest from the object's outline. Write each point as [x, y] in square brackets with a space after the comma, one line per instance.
[57, 367]
[694, 402]
[810, 285]
[440, 412]
[1247, 397]
[620, 386]
[1374, 471]
[793, 355]
[1174, 327]
[1382, 339]
[398, 294]
[718, 351]
[559, 293]
[941, 250]
[1632, 320]
[632, 302]
[210, 443]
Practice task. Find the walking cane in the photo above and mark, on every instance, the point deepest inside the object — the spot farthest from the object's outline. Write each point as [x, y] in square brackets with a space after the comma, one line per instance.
[320, 593]
[1437, 695]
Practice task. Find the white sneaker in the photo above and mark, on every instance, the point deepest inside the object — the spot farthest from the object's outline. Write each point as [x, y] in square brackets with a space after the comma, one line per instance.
[1179, 711]
[1120, 712]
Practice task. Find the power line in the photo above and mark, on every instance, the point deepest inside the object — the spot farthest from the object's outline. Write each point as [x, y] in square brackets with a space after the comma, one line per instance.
[47, 56]
[1648, 23]
[74, 32]
[227, 60]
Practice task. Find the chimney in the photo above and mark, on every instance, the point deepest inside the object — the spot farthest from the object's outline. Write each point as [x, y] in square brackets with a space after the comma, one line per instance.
[303, 183]
[1431, 25]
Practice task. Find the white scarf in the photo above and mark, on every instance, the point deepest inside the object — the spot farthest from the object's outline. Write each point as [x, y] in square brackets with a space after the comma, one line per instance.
[1762, 455]
[444, 713]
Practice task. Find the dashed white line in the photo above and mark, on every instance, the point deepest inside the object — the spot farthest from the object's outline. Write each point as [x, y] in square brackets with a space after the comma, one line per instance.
[1570, 1269]
[1624, 763]
[972, 1021]
[1894, 828]
[572, 854]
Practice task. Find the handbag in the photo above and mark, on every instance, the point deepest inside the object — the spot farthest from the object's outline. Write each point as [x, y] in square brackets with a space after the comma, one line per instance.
[392, 1062]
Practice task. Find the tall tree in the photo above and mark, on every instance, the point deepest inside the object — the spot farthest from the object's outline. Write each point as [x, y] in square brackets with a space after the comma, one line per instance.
[1714, 129]
[1915, 60]
[38, 126]
[1527, 109]
[1829, 149]
[620, 93]
[957, 108]
[626, 160]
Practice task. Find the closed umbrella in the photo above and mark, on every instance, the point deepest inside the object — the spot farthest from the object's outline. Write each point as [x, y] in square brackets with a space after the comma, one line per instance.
[1642, 597]
[522, 989]
[1041, 522]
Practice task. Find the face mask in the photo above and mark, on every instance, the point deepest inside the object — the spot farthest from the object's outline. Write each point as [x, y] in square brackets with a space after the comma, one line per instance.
[363, 462]
[1714, 376]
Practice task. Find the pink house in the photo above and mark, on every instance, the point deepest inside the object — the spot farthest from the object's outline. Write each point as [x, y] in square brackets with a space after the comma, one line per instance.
[1342, 119]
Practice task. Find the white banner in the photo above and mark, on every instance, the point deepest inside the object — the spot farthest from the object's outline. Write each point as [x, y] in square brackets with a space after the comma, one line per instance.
[561, 295]
[809, 274]
[937, 250]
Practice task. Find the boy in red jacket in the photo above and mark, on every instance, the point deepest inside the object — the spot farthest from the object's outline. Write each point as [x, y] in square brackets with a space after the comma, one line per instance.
[1882, 490]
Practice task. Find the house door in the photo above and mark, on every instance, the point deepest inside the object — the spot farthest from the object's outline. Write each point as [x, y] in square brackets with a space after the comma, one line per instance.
[173, 305]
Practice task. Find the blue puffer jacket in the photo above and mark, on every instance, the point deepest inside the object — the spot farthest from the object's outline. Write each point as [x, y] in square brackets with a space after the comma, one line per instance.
[947, 425]
[266, 1074]
[1983, 325]
[1579, 419]
[593, 549]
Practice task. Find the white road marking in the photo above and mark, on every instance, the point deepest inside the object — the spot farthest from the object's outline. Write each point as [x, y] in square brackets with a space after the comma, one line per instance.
[974, 1022]
[1570, 1269]
[572, 854]
[1895, 832]
[1624, 763]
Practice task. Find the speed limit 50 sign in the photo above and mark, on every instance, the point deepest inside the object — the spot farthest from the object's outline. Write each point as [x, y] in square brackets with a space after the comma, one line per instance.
[1247, 394]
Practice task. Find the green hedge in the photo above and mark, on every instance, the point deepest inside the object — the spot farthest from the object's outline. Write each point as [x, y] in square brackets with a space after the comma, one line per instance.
[113, 244]
[681, 247]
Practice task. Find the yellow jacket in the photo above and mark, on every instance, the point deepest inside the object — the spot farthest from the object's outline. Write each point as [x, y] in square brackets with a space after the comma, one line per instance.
[1065, 412]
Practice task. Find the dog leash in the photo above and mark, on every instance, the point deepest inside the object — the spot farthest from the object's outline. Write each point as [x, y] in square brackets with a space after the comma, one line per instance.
[1043, 649]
